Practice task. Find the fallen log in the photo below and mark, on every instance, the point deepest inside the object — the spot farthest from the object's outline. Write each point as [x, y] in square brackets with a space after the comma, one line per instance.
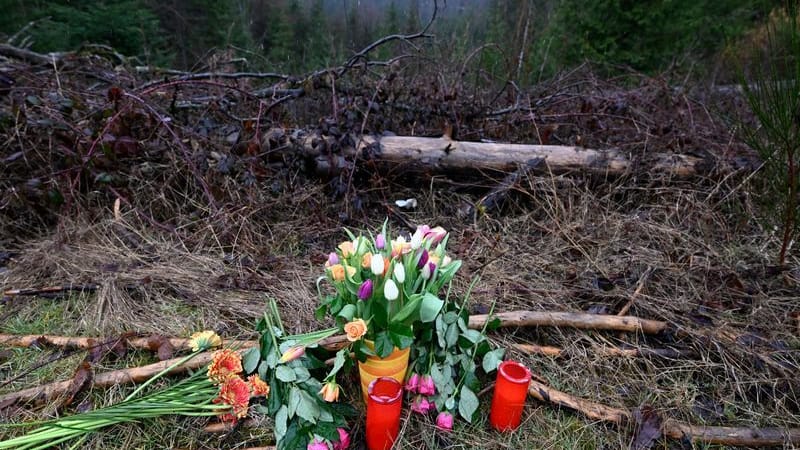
[506, 319]
[572, 320]
[605, 351]
[446, 155]
[743, 436]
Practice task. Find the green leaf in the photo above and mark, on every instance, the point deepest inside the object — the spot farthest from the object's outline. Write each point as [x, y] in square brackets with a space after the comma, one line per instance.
[285, 373]
[450, 317]
[250, 360]
[430, 307]
[262, 370]
[347, 312]
[451, 337]
[450, 403]
[320, 312]
[402, 335]
[473, 336]
[340, 359]
[281, 418]
[383, 344]
[441, 331]
[308, 408]
[492, 359]
[301, 373]
[294, 401]
[493, 324]
[467, 404]
[408, 310]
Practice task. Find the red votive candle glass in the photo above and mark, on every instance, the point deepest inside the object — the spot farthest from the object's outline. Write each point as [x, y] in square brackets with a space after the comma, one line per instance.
[510, 392]
[384, 400]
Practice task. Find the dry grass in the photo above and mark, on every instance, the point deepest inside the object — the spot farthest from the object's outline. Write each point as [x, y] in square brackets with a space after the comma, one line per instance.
[550, 248]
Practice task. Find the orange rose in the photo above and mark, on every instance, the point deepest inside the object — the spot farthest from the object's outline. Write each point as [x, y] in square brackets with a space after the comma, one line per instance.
[330, 391]
[366, 260]
[337, 272]
[355, 329]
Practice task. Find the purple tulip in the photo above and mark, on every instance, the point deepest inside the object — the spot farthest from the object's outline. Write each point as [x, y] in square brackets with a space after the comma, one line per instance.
[426, 386]
[365, 291]
[333, 259]
[380, 242]
[423, 258]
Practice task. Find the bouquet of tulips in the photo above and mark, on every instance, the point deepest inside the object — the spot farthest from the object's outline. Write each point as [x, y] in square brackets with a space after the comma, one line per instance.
[386, 288]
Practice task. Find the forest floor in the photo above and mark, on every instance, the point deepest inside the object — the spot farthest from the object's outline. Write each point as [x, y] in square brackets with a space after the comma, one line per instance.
[215, 215]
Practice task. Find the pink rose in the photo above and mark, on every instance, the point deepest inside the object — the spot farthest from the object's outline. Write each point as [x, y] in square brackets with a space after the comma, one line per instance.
[426, 386]
[413, 383]
[421, 405]
[444, 421]
[344, 440]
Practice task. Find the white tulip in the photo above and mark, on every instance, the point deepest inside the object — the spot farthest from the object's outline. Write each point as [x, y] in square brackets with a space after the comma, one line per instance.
[376, 264]
[390, 290]
[400, 272]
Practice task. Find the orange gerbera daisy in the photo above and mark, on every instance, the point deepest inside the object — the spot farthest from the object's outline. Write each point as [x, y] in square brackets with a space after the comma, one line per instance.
[225, 364]
[234, 392]
[258, 386]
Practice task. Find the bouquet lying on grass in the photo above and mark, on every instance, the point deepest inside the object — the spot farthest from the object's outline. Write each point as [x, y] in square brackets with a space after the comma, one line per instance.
[383, 290]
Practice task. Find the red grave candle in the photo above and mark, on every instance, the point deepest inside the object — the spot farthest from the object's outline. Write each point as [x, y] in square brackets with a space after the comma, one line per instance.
[383, 412]
[510, 392]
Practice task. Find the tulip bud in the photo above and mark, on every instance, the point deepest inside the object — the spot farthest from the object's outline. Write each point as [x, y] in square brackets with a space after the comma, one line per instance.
[436, 235]
[376, 264]
[421, 405]
[293, 353]
[416, 239]
[423, 259]
[344, 440]
[380, 242]
[399, 272]
[390, 290]
[365, 291]
[427, 271]
[426, 386]
[413, 383]
[330, 391]
[444, 421]
[332, 259]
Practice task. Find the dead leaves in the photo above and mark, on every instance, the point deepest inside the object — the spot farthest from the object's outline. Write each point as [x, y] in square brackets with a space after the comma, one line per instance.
[648, 427]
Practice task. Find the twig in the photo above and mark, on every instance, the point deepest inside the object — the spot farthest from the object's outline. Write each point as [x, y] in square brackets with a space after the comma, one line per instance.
[573, 320]
[605, 351]
[642, 280]
[51, 290]
[743, 436]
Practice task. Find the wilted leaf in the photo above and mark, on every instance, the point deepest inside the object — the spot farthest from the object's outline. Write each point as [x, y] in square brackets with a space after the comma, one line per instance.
[161, 346]
[81, 380]
[648, 427]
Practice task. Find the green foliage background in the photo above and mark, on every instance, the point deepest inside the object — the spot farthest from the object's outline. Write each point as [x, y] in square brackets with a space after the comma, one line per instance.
[534, 38]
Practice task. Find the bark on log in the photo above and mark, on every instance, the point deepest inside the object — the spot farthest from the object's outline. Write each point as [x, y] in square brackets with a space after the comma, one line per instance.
[573, 320]
[446, 155]
[752, 437]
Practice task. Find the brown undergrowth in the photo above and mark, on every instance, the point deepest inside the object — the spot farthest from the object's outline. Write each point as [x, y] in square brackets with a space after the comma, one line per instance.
[172, 261]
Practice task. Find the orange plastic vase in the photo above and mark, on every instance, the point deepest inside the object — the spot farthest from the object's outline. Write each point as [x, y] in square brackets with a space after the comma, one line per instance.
[394, 366]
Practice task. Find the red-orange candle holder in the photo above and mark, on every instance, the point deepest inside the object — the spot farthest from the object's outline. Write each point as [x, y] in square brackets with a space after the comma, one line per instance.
[510, 392]
[384, 401]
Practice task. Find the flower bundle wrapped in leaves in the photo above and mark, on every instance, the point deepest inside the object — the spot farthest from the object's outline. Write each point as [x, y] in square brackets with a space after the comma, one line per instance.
[385, 287]
[217, 390]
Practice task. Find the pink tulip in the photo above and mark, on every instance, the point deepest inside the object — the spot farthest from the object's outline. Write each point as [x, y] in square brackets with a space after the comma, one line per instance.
[444, 421]
[426, 386]
[292, 354]
[436, 235]
[380, 242]
[318, 444]
[421, 405]
[344, 439]
[333, 259]
[413, 383]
